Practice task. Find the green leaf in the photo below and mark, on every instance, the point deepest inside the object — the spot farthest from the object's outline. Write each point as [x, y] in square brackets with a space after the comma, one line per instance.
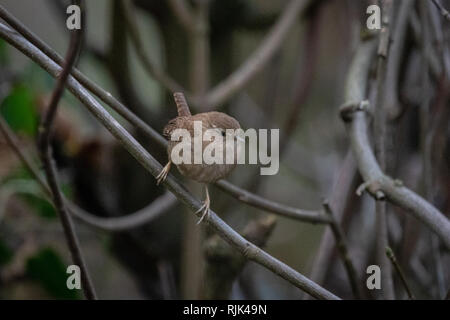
[47, 268]
[42, 207]
[19, 111]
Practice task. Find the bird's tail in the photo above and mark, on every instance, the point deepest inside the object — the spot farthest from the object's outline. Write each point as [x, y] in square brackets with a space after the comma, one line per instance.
[182, 106]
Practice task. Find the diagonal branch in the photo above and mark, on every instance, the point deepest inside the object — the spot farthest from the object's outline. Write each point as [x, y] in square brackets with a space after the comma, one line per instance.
[249, 250]
[256, 62]
[50, 167]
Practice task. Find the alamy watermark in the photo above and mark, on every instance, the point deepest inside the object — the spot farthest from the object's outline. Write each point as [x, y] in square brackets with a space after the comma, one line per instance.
[226, 146]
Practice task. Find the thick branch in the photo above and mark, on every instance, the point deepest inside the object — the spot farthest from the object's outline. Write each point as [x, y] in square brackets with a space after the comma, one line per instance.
[249, 250]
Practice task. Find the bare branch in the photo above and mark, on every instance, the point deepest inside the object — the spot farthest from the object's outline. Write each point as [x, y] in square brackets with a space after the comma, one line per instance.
[375, 180]
[391, 256]
[50, 166]
[312, 216]
[441, 9]
[249, 250]
[240, 194]
[239, 78]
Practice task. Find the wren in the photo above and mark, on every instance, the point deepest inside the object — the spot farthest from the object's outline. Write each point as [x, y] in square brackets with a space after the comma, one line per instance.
[203, 173]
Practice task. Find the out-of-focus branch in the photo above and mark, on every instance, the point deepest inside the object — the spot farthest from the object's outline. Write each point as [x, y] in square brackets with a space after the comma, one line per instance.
[114, 224]
[428, 127]
[354, 114]
[432, 58]
[304, 77]
[391, 256]
[386, 101]
[225, 264]
[50, 166]
[249, 250]
[133, 30]
[441, 9]
[105, 96]
[343, 252]
[239, 78]
[184, 14]
[338, 199]
[393, 64]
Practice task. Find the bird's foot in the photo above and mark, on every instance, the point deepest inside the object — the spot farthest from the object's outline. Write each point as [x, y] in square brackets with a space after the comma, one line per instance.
[204, 209]
[163, 174]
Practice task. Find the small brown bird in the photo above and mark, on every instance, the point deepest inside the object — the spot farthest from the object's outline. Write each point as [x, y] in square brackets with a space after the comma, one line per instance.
[204, 173]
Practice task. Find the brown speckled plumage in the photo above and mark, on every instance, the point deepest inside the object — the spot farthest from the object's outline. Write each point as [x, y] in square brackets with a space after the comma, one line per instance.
[202, 172]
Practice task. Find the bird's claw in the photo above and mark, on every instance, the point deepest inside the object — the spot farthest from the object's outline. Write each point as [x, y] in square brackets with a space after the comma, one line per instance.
[163, 174]
[205, 211]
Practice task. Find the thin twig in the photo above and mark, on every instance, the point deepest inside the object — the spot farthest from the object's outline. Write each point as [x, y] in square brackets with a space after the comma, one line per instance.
[50, 168]
[427, 133]
[391, 256]
[340, 195]
[249, 250]
[255, 62]
[343, 252]
[311, 216]
[442, 10]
